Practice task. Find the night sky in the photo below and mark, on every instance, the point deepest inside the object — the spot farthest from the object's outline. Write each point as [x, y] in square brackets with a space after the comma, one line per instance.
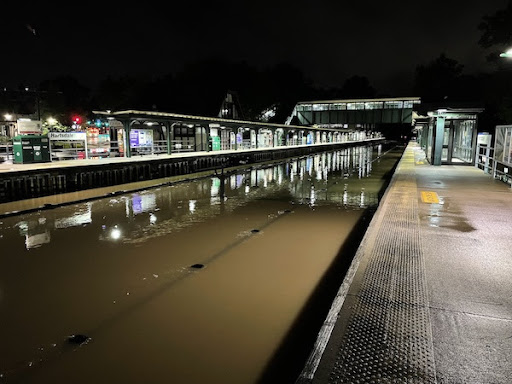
[328, 40]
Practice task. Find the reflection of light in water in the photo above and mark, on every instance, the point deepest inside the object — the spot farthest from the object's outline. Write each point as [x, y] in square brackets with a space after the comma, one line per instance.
[115, 233]
[81, 217]
[152, 218]
[345, 197]
[192, 206]
[214, 190]
[271, 175]
[362, 198]
[318, 174]
[35, 241]
[23, 226]
[142, 203]
[312, 197]
[247, 189]
[239, 180]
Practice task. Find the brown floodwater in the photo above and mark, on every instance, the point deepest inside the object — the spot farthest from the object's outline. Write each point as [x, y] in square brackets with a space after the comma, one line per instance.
[196, 282]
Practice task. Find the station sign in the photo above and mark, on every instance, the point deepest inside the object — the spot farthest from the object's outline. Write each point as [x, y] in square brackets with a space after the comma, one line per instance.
[67, 136]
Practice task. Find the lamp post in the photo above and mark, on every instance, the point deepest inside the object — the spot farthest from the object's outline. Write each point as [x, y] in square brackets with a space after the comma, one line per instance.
[506, 54]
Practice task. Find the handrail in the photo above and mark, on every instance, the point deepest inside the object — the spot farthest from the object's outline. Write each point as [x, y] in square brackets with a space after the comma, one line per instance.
[485, 160]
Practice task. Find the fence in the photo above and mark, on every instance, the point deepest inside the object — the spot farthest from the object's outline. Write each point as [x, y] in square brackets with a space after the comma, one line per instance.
[6, 152]
[485, 161]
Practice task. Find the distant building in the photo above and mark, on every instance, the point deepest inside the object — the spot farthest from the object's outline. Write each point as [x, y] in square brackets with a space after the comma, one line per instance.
[391, 116]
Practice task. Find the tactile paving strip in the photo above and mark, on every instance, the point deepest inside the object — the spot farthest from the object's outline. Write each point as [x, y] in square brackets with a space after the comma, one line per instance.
[388, 337]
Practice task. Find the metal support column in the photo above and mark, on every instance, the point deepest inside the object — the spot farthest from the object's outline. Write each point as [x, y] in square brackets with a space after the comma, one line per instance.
[126, 131]
[438, 144]
[207, 131]
[168, 129]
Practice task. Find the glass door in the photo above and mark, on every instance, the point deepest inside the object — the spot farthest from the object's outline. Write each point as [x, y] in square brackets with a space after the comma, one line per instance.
[447, 153]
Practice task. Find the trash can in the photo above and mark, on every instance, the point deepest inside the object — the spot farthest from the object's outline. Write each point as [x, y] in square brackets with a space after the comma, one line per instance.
[31, 149]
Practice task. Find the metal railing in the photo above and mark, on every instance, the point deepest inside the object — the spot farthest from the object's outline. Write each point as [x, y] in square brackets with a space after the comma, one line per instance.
[485, 161]
[463, 153]
[6, 152]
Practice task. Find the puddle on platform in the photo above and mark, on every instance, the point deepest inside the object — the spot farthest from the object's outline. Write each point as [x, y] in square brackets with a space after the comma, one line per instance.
[446, 215]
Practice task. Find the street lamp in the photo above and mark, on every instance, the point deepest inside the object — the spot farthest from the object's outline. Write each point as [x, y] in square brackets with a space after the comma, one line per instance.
[506, 54]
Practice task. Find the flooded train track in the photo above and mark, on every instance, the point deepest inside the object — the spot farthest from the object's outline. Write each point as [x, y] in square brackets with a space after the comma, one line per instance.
[220, 279]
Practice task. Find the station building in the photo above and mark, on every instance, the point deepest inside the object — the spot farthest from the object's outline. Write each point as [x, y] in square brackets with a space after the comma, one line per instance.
[391, 116]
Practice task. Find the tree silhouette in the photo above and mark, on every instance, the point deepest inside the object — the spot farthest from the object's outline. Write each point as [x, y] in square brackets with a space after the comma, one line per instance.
[496, 32]
[438, 80]
[357, 87]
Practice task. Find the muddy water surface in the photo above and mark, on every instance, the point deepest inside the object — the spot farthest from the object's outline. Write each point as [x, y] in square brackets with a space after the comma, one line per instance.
[191, 283]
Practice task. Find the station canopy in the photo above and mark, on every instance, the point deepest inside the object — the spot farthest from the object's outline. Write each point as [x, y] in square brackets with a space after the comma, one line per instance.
[132, 116]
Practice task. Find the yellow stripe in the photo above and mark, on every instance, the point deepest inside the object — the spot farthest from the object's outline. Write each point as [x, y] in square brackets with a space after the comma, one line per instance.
[429, 197]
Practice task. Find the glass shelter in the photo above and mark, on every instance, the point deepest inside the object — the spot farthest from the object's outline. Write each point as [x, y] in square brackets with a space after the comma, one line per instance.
[449, 136]
[503, 144]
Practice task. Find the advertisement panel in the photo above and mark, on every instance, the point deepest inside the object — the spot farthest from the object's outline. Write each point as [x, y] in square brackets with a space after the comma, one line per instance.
[98, 142]
[29, 127]
[141, 138]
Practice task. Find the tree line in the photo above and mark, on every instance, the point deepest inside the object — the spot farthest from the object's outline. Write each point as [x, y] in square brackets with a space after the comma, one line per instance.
[201, 86]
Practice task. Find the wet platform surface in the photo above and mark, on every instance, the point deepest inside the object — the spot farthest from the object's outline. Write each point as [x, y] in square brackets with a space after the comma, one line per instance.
[428, 296]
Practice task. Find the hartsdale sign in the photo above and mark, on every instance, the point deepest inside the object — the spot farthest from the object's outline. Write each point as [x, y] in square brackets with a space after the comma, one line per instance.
[67, 136]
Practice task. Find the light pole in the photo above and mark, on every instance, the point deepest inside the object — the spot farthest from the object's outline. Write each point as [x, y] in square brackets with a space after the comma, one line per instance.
[506, 54]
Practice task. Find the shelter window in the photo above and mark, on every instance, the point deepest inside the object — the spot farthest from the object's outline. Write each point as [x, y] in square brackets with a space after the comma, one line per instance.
[319, 107]
[507, 147]
[408, 104]
[359, 105]
[373, 105]
[393, 104]
[183, 131]
[338, 106]
[351, 106]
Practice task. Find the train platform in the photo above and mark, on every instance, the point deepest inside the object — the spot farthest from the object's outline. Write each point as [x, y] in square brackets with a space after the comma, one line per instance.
[97, 168]
[427, 298]
[9, 166]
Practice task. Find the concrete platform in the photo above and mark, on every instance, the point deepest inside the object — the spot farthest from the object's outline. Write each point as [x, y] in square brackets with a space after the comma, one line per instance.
[428, 298]
[8, 166]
